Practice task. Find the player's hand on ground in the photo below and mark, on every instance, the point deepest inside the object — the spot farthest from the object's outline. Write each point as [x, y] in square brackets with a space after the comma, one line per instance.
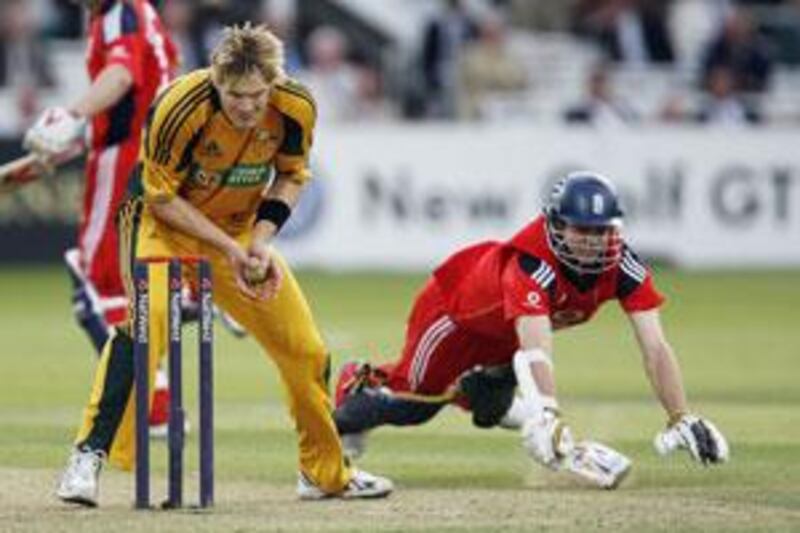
[55, 132]
[547, 438]
[704, 442]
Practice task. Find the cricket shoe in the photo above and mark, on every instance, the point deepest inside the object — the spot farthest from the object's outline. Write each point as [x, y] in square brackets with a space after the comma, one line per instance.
[355, 376]
[362, 485]
[80, 480]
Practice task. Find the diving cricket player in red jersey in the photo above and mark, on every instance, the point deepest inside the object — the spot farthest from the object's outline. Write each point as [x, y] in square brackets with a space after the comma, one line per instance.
[486, 318]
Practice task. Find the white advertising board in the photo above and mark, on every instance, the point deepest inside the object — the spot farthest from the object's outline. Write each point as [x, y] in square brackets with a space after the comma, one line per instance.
[404, 197]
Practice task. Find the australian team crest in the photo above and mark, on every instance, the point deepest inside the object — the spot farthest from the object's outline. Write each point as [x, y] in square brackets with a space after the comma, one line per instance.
[205, 179]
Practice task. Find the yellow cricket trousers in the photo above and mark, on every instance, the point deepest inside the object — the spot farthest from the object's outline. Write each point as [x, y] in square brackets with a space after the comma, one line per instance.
[283, 326]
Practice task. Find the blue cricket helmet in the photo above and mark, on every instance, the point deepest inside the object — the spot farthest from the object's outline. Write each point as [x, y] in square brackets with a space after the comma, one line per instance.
[585, 198]
[584, 218]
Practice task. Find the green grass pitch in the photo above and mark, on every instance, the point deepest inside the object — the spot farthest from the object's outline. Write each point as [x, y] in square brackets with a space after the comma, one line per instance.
[737, 335]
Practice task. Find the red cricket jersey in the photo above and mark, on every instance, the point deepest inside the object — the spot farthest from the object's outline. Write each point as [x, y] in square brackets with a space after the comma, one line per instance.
[487, 286]
[129, 33]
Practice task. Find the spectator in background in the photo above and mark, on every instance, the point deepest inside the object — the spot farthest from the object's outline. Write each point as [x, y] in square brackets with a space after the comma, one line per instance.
[488, 67]
[723, 104]
[444, 38]
[740, 49]
[372, 103]
[180, 19]
[634, 32]
[209, 20]
[693, 23]
[197, 24]
[542, 15]
[65, 20]
[333, 79]
[24, 65]
[600, 107]
[280, 16]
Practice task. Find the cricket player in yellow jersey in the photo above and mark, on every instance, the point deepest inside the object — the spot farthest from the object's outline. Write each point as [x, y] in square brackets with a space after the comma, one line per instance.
[223, 161]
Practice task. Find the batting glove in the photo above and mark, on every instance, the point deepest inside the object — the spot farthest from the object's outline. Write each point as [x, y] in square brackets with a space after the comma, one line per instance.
[56, 131]
[700, 437]
[546, 438]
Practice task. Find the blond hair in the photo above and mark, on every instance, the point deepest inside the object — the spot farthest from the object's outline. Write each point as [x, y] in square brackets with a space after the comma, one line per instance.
[247, 48]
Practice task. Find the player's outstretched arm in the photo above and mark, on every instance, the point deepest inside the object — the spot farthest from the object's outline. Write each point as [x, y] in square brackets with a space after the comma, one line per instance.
[699, 436]
[108, 88]
[545, 437]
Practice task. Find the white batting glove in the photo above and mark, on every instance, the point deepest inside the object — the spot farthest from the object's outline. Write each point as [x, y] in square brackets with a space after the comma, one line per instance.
[546, 438]
[56, 131]
[700, 437]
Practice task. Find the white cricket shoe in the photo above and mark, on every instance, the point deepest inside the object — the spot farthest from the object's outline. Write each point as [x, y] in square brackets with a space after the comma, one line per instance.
[80, 481]
[362, 485]
[354, 444]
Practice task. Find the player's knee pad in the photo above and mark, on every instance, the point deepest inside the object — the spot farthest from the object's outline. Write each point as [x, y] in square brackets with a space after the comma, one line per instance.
[489, 393]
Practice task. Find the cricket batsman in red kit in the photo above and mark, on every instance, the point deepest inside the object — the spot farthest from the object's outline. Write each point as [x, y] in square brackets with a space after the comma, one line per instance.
[483, 324]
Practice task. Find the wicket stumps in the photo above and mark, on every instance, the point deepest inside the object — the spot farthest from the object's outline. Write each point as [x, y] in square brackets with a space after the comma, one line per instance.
[175, 429]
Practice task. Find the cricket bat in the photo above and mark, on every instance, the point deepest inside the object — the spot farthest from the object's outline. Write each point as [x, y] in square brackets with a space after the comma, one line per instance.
[31, 167]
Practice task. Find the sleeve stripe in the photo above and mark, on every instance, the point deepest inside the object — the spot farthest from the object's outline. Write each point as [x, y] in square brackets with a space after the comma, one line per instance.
[171, 114]
[544, 275]
[197, 102]
[148, 125]
[634, 262]
[632, 269]
[170, 126]
[171, 119]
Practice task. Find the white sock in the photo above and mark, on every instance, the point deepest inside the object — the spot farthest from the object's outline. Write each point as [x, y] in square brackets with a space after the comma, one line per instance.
[161, 379]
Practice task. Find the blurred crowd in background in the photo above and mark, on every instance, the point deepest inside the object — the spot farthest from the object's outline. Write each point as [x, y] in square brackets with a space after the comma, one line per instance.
[610, 63]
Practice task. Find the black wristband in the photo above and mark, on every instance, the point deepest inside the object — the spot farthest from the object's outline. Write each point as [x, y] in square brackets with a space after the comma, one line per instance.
[274, 210]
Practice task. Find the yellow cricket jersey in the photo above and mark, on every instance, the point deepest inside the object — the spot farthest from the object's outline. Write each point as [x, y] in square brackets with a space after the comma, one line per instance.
[191, 149]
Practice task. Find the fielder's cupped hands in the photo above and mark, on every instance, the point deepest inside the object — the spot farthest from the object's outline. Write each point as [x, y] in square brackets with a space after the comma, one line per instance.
[257, 274]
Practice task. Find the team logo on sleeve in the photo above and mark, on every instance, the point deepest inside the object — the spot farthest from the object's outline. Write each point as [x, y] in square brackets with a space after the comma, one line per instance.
[533, 299]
